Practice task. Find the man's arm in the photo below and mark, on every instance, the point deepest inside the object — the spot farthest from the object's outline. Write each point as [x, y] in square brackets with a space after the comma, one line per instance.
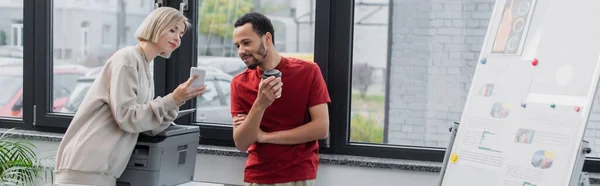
[316, 129]
[246, 133]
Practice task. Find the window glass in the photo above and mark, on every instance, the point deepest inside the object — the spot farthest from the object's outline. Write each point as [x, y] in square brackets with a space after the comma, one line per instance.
[293, 22]
[11, 90]
[226, 90]
[210, 96]
[411, 72]
[11, 58]
[83, 41]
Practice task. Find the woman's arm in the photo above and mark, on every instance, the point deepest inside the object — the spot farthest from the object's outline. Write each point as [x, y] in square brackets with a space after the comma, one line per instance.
[131, 116]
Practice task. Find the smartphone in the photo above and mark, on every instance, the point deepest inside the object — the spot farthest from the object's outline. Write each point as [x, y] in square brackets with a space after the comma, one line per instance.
[201, 73]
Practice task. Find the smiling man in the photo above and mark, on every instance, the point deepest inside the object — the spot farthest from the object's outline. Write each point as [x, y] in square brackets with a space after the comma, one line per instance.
[278, 126]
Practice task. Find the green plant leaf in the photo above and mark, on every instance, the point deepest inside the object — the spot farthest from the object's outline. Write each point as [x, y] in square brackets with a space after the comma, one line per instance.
[19, 164]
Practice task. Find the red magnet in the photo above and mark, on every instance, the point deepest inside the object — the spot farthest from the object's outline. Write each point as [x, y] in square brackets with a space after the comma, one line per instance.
[577, 109]
[534, 62]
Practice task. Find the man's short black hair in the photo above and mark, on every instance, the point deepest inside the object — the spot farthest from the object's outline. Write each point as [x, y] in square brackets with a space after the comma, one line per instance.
[260, 24]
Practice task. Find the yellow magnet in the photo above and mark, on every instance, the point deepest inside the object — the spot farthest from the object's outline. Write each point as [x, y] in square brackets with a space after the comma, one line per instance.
[453, 158]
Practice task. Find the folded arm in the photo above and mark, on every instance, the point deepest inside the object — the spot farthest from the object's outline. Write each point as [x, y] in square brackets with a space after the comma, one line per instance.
[317, 128]
[246, 133]
[131, 116]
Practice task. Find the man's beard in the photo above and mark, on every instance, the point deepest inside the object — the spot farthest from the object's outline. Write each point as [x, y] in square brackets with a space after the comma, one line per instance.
[262, 52]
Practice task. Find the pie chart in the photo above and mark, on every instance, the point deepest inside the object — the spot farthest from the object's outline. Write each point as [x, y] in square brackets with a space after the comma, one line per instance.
[542, 159]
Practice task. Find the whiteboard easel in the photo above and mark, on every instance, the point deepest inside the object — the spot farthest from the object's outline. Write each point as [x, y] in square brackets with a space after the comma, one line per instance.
[543, 83]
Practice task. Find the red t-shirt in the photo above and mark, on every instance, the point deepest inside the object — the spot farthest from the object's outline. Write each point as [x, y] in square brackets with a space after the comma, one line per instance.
[303, 87]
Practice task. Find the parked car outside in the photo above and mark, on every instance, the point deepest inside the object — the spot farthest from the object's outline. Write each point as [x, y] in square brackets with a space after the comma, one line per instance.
[11, 79]
[212, 106]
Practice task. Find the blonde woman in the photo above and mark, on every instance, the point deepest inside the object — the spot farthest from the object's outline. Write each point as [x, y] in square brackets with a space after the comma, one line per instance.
[101, 137]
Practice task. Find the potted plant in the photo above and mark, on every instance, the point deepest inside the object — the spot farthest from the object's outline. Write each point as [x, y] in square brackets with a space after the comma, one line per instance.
[19, 164]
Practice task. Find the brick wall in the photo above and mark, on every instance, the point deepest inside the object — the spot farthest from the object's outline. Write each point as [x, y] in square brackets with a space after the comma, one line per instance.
[435, 46]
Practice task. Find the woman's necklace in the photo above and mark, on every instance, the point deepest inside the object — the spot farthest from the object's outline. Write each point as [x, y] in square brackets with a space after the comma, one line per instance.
[146, 68]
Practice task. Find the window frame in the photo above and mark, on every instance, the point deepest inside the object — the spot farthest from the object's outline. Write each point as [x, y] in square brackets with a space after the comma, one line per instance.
[339, 81]
[333, 47]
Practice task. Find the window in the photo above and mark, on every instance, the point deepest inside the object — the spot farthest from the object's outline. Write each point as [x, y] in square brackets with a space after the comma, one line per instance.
[411, 72]
[293, 22]
[97, 44]
[11, 62]
[17, 34]
[369, 72]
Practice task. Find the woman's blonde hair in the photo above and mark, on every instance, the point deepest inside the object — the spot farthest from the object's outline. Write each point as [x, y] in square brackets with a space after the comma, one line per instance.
[158, 22]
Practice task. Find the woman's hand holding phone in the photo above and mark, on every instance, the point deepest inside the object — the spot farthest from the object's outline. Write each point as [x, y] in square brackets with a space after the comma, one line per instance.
[185, 91]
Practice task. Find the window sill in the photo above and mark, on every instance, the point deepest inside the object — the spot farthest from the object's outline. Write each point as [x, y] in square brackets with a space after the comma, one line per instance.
[344, 160]
[328, 159]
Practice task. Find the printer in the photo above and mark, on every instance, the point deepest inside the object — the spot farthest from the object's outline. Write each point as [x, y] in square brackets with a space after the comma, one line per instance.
[166, 159]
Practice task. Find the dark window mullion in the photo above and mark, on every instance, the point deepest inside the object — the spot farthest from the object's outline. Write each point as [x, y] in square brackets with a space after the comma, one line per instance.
[29, 40]
[178, 65]
[44, 69]
[338, 76]
[321, 55]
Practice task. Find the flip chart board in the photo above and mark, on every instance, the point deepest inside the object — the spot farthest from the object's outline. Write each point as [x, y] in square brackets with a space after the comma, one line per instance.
[530, 97]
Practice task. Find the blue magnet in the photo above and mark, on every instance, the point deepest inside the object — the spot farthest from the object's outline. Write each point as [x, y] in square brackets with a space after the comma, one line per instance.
[523, 105]
[483, 60]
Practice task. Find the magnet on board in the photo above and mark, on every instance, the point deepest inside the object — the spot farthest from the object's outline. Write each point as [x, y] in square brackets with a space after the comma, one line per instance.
[523, 105]
[454, 158]
[552, 105]
[534, 62]
[483, 60]
[577, 109]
